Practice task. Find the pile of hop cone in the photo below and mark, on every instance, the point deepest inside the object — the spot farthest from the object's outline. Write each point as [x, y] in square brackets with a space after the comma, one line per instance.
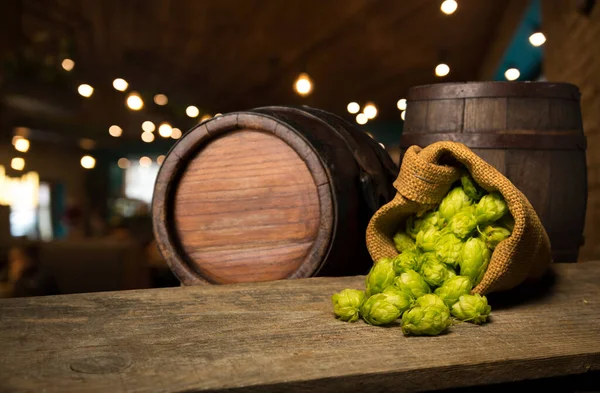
[442, 255]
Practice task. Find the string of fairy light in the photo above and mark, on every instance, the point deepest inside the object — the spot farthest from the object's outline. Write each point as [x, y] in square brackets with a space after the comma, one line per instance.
[304, 84]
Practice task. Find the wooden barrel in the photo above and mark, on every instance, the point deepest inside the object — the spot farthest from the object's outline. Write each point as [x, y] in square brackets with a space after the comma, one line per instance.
[268, 194]
[530, 131]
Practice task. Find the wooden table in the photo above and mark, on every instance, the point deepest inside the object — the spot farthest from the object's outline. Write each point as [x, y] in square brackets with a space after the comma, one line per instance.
[282, 336]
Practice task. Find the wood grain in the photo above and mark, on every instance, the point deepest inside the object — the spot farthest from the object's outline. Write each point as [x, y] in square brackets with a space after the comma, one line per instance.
[247, 209]
[282, 336]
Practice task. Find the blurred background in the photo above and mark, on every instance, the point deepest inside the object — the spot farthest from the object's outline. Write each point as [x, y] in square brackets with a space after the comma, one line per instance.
[94, 93]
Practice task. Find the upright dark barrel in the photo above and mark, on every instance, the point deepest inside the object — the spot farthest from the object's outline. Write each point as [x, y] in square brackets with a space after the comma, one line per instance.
[267, 194]
[530, 131]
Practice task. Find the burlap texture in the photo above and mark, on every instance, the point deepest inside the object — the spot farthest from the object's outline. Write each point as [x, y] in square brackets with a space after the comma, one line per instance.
[422, 183]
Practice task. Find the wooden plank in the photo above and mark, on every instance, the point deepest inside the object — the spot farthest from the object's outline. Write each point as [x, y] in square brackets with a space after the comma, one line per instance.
[282, 336]
[494, 110]
[445, 115]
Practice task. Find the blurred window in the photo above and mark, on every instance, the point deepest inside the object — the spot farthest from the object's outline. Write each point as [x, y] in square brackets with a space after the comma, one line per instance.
[139, 180]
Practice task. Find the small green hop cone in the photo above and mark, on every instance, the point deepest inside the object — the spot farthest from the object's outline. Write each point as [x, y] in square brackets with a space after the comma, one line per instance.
[415, 225]
[407, 260]
[379, 310]
[490, 208]
[463, 223]
[412, 284]
[453, 289]
[475, 260]
[346, 304]
[492, 235]
[430, 300]
[448, 249]
[401, 300]
[454, 202]
[434, 272]
[426, 239]
[380, 277]
[403, 242]
[471, 188]
[429, 320]
[471, 308]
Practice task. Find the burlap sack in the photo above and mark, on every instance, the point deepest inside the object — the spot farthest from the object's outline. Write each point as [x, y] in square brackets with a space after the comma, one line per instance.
[425, 178]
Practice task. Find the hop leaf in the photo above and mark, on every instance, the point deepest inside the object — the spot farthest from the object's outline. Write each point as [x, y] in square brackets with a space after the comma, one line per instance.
[454, 288]
[415, 225]
[472, 308]
[412, 283]
[471, 188]
[378, 310]
[381, 276]
[463, 223]
[454, 202]
[426, 239]
[346, 304]
[448, 249]
[475, 259]
[434, 272]
[408, 260]
[490, 208]
[403, 242]
[429, 320]
[401, 300]
[492, 235]
[430, 300]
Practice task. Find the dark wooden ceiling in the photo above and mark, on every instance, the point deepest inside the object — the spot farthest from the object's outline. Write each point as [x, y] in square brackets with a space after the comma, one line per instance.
[226, 55]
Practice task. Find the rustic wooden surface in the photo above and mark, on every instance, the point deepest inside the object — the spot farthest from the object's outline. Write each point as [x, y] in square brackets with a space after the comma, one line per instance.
[282, 336]
[530, 132]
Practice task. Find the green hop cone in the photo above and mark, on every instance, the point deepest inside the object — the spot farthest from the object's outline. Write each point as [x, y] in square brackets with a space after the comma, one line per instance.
[448, 249]
[426, 239]
[490, 208]
[429, 320]
[430, 300]
[401, 300]
[346, 304]
[492, 235]
[378, 310]
[453, 288]
[471, 188]
[381, 276]
[507, 221]
[463, 223]
[403, 242]
[407, 260]
[434, 272]
[471, 308]
[454, 202]
[412, 283]
[475, 259]
[415, 225]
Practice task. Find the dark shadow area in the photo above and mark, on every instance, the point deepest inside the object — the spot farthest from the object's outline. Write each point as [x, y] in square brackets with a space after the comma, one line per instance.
[528, 292]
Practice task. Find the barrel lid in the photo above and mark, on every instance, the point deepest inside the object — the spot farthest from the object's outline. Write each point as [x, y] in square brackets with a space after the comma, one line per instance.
[442, 91]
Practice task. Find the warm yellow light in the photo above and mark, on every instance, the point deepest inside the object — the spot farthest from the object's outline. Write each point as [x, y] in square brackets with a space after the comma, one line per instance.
[22, 145]
[361, 118]
[147, 137]
[353, 107]
[161, 99]
[115, 131]
[88, 162]
[192, 111]
[176, 133]
[205, 117]
[370, 111]
[512, 74]
[160, 159]
[85, 90]
[17, 163]
[303, 84]
[148, 126]
[403, 115]
[123, 163]
[68, 64]
[15, 139]
[448, 7]
[218, 114]
[165, 130]
[120, 84]
[442, 70]
[134, 102]
[537, 39]
[145, 162]
[401, 104]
